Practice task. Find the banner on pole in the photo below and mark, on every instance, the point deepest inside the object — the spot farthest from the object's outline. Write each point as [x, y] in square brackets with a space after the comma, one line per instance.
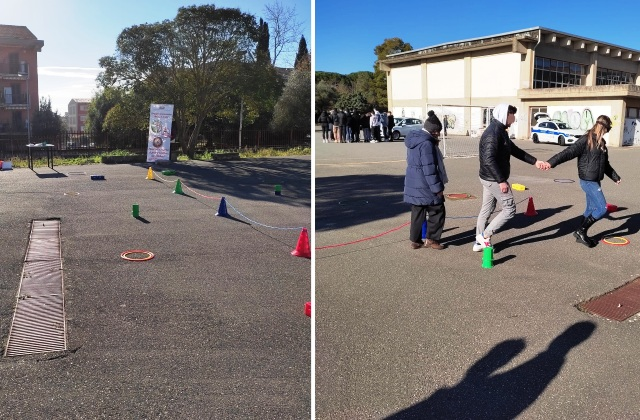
[159, 143]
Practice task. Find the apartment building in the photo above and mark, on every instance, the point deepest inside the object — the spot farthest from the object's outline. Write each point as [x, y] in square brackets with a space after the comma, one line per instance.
[77, 114]
[19, 50]
[569, 77]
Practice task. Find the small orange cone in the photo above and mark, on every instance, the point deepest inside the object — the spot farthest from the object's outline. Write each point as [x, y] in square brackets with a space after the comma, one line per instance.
[150, 173]
[302, 249]
[531, 211]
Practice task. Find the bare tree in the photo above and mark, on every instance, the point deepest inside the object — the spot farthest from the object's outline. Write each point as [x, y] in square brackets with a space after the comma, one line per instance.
[284, 27]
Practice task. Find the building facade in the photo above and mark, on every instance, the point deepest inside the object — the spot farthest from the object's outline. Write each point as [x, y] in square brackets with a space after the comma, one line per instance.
[571, 78]
[19, 50]
[77, 114]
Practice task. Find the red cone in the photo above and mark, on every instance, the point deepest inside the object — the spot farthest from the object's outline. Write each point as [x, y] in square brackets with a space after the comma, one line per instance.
[611, 208]
[307, 309]
[302, 249]
[531, 211]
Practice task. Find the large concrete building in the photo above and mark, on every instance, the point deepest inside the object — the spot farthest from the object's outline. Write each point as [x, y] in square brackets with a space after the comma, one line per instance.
[571, 78]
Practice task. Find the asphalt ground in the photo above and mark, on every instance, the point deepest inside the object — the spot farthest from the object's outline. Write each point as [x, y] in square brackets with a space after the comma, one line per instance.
[212, 327]
[404, 333]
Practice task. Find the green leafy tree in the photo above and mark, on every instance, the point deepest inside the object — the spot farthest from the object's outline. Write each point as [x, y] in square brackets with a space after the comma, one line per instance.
[293, 110]
[45, 122]
[303, 52]
[192, 62]
[326, 96]
[379, 84]
[100, 104]
[353, 101]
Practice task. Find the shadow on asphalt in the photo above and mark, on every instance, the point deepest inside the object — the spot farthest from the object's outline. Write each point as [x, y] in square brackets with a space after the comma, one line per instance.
[484, 394]
[252, 179]
[351, 200]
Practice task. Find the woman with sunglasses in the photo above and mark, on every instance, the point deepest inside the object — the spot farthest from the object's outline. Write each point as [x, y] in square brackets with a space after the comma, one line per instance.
[593, 165]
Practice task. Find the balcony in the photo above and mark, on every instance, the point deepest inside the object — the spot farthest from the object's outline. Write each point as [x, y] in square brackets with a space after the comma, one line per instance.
[14, 71]
[15, 127]
[13, 101]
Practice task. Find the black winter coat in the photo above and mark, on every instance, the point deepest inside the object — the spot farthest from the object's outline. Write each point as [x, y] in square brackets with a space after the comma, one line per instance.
[593, 164]
[496, 148]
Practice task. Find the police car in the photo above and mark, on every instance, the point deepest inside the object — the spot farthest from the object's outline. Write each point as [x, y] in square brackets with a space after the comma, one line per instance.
[554, 131]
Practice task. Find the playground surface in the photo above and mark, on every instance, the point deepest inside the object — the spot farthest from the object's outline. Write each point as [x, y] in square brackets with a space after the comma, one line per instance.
[405, 334]
[213, 326]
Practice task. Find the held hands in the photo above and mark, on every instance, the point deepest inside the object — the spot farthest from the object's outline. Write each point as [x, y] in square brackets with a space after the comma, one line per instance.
[545, 166]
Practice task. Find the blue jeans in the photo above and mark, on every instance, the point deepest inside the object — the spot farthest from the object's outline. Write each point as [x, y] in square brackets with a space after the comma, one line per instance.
[596, 203]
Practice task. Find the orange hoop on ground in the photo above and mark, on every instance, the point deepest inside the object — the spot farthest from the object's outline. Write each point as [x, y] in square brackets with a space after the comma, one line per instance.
[125, 255]
[606, 241]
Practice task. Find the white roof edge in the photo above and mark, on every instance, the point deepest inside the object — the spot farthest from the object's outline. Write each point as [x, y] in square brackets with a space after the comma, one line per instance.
[535, 28]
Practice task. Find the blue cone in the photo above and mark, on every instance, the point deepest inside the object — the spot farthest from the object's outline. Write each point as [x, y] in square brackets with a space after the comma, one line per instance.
[424, 230]
[222, 210]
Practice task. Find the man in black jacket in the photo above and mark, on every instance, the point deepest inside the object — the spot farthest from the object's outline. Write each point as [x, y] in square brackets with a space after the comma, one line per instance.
[495, 151]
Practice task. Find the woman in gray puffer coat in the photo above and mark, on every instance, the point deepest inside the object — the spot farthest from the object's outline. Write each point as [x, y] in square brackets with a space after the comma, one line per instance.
[424, 183]
[593, 165]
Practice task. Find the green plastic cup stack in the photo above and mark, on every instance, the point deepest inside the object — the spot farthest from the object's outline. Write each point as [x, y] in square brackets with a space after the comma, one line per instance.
[278, 189]
[487, 257]
[135, 211]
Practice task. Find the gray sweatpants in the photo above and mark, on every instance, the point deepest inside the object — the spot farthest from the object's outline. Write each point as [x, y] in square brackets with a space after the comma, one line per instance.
[490, 195]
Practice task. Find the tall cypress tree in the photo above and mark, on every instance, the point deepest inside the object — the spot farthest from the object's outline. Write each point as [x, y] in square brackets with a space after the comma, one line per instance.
[303, 52]
[262, 49]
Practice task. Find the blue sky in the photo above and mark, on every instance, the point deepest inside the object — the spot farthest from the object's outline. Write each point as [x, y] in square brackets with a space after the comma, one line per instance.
[346, 33]
[77, 33]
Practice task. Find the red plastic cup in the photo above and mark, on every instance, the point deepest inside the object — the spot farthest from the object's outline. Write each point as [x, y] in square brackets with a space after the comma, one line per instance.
[307, 309]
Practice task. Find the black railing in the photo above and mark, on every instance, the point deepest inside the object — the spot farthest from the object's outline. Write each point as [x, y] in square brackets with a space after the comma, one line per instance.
[13, 99]
[70, 144]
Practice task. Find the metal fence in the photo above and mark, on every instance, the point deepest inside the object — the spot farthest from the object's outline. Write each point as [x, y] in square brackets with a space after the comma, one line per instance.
[83, 143]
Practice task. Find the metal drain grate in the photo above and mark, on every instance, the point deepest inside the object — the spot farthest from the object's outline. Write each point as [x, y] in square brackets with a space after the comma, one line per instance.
[618, 304]
[38, 321]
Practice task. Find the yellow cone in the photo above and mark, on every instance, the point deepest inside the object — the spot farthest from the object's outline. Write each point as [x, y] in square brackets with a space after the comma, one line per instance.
[150, 173]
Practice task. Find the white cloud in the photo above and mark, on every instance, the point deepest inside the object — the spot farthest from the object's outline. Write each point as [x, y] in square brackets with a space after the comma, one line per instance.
[70, 72]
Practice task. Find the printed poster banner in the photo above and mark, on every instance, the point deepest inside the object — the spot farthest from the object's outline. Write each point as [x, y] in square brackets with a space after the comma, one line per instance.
[159, 132]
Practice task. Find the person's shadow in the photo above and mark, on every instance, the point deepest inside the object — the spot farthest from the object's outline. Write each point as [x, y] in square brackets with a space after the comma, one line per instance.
[484, 394]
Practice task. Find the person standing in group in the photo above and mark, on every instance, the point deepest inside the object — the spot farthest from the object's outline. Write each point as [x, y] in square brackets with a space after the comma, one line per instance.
[424, 183]
[341, 119]
[347, 126]
[375, 125]
[355, 126]
[593, 165]
[390, 124]
[383, 126]
[335, 129]
[365, 122]
[323, 119]
[496, 149]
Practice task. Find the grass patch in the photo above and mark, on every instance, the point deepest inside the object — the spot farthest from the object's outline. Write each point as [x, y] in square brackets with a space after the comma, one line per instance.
[206, 155]
[295, 151]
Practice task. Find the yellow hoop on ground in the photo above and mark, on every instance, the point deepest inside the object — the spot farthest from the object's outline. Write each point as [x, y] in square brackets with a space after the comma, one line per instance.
[125, 255]
[625, 241]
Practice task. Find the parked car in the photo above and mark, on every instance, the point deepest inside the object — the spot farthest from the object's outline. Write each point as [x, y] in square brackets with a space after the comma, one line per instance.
[403, 126]
[554, 131]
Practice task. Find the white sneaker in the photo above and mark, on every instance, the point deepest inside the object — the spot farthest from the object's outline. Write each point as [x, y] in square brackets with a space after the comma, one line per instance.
[481, 243]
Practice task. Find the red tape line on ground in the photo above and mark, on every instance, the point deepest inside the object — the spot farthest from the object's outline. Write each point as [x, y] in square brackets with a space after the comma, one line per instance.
[363, 239]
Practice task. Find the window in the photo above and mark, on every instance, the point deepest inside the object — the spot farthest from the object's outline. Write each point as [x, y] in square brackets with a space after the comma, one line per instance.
[613, 77]
[549, 73]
